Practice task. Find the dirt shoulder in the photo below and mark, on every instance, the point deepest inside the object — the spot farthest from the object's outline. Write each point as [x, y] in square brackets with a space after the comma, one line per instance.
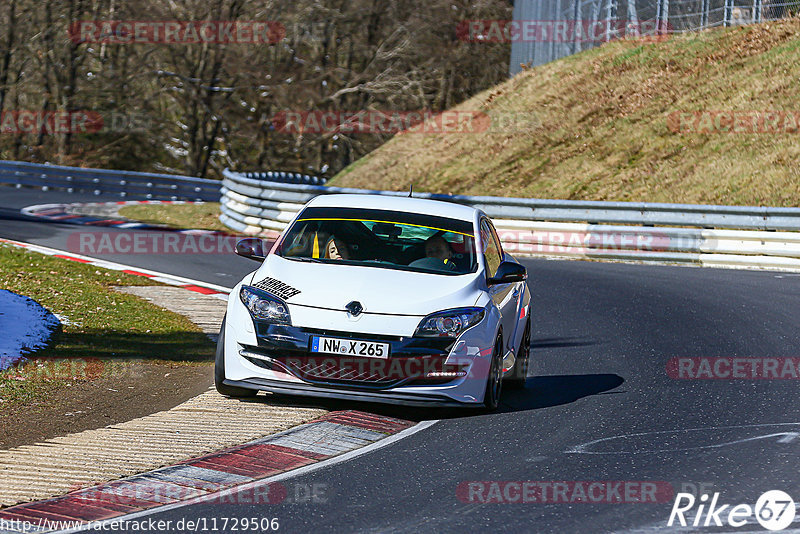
[74, 406]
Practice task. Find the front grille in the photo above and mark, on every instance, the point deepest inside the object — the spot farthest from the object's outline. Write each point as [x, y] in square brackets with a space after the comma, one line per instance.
[347, 371]
[330, 371]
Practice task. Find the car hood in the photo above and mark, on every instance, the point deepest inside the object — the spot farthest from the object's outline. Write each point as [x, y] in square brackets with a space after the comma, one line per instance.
[379, 290]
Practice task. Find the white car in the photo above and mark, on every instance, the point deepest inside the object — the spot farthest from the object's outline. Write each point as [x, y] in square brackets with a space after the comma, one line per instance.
[379, 298]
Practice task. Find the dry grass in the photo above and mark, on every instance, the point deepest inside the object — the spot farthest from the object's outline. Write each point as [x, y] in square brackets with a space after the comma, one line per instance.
[199, 215]
[600, 127]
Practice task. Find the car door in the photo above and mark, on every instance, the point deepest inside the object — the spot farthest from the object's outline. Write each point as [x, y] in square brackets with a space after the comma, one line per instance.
[504, 296]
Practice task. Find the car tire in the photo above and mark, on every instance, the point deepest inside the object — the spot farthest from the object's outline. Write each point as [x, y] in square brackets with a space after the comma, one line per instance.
[219, 371]
[494, 382]
[519, 372]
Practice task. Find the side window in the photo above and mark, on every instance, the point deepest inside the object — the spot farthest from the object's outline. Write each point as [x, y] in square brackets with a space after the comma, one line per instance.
[491, 251]
[497, 242]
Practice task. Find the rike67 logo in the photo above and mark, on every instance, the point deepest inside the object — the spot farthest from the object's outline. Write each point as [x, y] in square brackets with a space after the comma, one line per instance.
[774, 510]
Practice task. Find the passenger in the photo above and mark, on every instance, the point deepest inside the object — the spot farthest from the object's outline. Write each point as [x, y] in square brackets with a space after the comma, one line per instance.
[437, 247]
[308, 243]
[336, 249]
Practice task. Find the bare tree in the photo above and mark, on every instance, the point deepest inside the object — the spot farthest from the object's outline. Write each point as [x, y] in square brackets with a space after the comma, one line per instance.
[210, 105]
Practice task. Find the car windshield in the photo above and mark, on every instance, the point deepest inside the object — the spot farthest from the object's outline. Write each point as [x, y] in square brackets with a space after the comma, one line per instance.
[380, 238]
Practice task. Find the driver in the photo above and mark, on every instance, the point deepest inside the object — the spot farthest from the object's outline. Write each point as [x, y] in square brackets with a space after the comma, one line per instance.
[437, 247]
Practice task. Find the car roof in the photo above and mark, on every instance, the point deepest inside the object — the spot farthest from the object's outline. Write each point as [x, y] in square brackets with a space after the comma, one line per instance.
[396, 203]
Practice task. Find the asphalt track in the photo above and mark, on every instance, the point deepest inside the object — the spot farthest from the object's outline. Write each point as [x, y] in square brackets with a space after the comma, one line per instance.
[221, 269]
[603, 334]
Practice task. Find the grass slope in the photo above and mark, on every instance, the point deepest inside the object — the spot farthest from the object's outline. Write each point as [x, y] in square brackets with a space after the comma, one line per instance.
[602, 133]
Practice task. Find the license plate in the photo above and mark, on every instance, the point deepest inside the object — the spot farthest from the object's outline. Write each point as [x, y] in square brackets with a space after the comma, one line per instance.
[348, 347]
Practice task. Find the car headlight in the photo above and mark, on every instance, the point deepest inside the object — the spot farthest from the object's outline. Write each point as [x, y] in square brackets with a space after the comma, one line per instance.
[449, 323]
[263, 306]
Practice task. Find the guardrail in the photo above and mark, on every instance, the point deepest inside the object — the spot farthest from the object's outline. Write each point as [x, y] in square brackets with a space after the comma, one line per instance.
[262, 203]
[127, 183]
[98, 181]
[723, 236]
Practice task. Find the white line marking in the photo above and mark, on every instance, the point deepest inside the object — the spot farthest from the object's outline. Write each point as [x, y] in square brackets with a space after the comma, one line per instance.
[245, 487]
[790, 436]
[583, 447]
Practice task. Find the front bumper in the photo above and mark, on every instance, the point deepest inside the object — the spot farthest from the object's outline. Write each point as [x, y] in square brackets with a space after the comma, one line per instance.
[412, 361]
[259, 357]
[397, 397]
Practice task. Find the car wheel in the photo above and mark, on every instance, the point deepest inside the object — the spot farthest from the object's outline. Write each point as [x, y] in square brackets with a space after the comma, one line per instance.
[219, 371]
[494, 382]
[520, 370]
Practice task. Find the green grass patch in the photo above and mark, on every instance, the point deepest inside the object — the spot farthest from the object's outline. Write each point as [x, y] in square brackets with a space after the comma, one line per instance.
[626, 56]
[107, 333]
[789, 48]
[201, 216]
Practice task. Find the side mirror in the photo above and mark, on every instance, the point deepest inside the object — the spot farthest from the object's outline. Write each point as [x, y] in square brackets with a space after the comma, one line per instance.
[508, 272]
[252, 248]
